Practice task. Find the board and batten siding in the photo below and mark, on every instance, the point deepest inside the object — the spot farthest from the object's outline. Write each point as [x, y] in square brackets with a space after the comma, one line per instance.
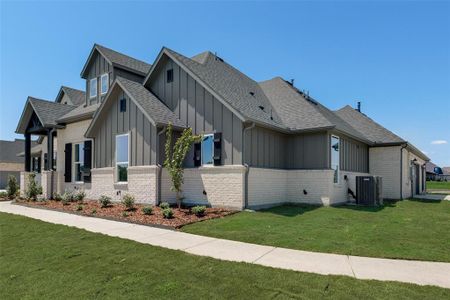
[265, 148]
[307, 151]
[354, 156]
[98, 66]
[198, 109]
[143, 135]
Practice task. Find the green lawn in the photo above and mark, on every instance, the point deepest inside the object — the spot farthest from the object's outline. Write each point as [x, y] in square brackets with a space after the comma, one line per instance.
[45, 261]
[438, 185]
[407, 229]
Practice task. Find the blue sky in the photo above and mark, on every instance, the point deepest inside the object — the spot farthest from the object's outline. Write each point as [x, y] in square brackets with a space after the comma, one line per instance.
[392, 56]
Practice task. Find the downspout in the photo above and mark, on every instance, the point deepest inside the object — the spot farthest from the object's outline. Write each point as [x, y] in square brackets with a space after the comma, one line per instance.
[401, 170]
[247, 167]
[160, 167]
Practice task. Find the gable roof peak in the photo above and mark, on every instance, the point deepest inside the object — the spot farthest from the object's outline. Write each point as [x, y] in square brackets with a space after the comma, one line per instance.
[117, 59]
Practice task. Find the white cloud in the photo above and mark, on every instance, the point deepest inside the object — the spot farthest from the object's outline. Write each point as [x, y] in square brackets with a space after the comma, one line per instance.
[439, 142]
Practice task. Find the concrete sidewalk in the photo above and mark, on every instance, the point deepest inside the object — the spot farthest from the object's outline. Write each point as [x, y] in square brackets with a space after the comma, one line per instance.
[418, 272]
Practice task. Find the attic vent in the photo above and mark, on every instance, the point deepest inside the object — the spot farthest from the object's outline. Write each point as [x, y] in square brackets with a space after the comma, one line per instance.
[261, 107]
[252, 93]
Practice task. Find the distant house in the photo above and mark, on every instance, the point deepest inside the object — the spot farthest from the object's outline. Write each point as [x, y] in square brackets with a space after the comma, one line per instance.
[436, 173]
[263, 143]
[10, 163]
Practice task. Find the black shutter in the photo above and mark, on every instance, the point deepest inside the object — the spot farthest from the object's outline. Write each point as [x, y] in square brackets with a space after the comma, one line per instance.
[45, 161]
[68, 163]
[39, 164]
[217, 148]
[87, 161]
[197, 154]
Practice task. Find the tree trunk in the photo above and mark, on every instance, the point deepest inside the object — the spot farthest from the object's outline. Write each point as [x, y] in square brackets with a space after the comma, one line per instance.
[179, 199]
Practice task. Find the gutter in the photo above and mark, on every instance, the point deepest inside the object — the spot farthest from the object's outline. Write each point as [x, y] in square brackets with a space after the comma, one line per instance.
[247, 167]
[401, 170]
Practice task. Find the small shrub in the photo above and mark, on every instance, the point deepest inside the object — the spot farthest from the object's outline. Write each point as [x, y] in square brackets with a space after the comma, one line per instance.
[41, 198]
[167, 213]
[199, 210]
[66, 198]
[147, 210]
[94, 211]
[13, 187]
[79, 196]
[79, 207]
[105, 201]
[3, 194]
[33, 189]
[164, 205]
[128, 201]
[57, 197]
[124, 214]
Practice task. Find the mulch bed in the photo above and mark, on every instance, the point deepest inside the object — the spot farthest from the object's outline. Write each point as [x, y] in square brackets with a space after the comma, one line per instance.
[116, 211]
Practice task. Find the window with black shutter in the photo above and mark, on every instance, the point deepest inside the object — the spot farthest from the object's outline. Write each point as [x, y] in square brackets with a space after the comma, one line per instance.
[87, 161]
[197, 154]
[217, 148]
[68, 162]
[45, 161]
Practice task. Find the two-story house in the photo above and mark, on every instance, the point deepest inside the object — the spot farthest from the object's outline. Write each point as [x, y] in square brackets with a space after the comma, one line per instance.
[263, 143]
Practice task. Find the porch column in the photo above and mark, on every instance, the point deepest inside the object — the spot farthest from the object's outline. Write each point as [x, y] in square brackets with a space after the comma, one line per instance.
[49, 150]
[27, 152]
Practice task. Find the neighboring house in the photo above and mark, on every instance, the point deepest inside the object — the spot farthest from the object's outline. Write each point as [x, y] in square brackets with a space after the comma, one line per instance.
[10, 163]
[263, 143]
[436, 173]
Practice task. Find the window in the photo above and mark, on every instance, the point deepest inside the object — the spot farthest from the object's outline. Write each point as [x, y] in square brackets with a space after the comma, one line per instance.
[93, 88]
[335, 157]
[207, 149]
[123, 105]
[104, 83]
[169, 75]
[78, 161]
[122, 157]
[35, 164]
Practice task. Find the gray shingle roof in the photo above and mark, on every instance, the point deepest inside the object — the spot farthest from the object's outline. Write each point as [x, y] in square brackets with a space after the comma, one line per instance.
[296, 112]
[48, 112]
[367, 127]
[77, 97]
[232, 86]
[80, 113]
[151, 105]
[124, 60]
[10, 149]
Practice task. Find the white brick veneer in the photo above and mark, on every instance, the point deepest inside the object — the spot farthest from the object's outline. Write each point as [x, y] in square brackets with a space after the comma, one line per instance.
[142, 184]
[48, 188]
[385, 162]
[268, 187]
[224, 186]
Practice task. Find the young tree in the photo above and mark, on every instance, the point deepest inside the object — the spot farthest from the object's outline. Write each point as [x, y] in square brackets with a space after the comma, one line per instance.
[13, 187]
[175, 156]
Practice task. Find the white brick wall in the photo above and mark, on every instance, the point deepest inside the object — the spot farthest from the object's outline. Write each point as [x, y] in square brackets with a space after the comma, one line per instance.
[274, 186]
[224, 186]
[267, 187]
[47, 184]
[142, 183]
[23, 182]
[316, 183]
[385, 162]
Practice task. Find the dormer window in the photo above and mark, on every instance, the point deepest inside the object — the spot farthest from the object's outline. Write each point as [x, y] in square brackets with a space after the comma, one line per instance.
[104, 83]
[93, 88]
